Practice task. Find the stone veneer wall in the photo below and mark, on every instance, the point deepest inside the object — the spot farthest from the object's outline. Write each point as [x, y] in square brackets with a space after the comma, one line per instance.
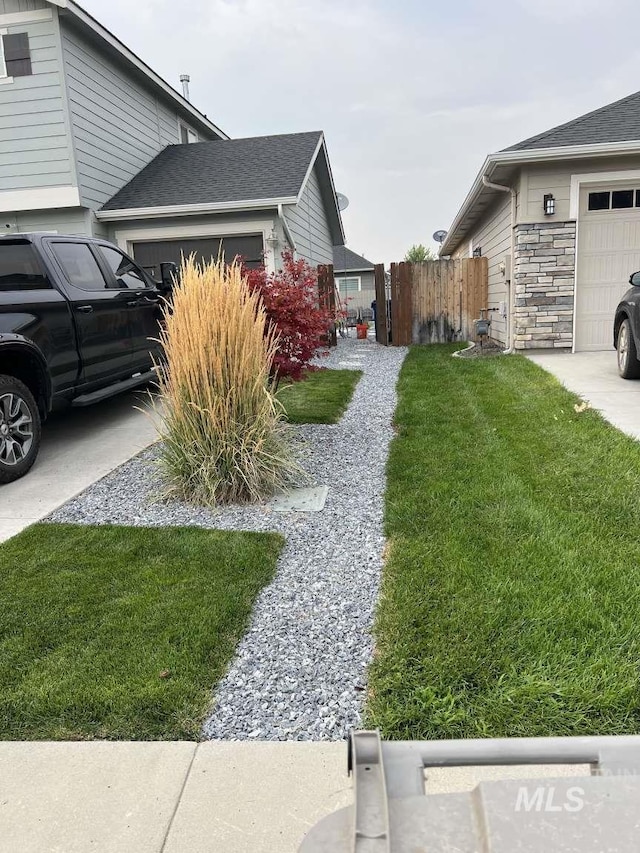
[544, 273]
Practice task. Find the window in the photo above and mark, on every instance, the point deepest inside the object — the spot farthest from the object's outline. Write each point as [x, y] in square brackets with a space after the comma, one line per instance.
[16, 57]
[621, 199]
[348, 285]
[79, 265]
[187, 135]
[599, 201]
[19, 267]
[126, 272]
[614, 200]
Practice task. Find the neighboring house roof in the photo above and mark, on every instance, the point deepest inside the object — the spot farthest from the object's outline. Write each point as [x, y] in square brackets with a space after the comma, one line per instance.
[260, 167]
[234, 174]
[344, 260]
[610, 130]
[84, 19]
[617, 122]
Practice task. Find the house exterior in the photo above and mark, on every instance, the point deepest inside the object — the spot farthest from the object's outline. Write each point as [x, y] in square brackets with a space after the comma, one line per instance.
[82, 118]
[558, 217]
[355, 281]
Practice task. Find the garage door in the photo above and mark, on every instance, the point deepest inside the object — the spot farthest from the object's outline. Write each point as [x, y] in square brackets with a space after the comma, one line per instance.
[150, 254]
[608, 252]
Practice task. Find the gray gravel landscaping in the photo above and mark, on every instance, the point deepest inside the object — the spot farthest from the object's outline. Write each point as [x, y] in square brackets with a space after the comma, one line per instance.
[300, 671]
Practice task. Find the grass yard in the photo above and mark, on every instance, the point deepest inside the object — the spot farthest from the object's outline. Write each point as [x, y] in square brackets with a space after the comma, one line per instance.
[321, 397]
[121, 632]
[511, 594]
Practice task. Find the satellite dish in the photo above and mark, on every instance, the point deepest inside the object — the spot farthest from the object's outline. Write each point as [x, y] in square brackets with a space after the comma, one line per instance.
[343, 201]
[439, 236]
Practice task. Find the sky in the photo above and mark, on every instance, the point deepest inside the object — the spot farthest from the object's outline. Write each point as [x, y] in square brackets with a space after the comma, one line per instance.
[411, 95]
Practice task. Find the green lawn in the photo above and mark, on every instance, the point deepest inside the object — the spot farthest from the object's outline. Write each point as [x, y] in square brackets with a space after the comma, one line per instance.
[121, 632]
[321, 397]
[511, 592]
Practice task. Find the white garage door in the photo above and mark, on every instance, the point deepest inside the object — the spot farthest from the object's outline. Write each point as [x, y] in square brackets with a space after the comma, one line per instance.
[608, 252]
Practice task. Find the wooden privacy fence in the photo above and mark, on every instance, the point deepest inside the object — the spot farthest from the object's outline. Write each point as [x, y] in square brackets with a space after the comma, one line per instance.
[431, 302]
[327, 296]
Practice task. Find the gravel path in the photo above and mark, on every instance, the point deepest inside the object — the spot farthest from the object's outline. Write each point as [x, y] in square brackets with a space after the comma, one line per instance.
[299, 672]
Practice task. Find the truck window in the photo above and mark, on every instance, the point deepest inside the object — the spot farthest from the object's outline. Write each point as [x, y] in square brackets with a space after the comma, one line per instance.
[79, 265]
[20, 268]
[127, 273]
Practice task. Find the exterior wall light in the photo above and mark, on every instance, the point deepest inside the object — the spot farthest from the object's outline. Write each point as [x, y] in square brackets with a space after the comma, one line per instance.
[273, 240]
[549, 205]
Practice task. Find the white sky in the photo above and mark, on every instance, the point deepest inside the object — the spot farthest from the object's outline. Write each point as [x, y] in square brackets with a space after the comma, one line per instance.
[411, 95]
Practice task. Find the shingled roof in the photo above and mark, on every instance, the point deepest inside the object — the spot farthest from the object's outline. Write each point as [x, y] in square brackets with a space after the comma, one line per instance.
[344, 260]
[617, 122]
[250, 169]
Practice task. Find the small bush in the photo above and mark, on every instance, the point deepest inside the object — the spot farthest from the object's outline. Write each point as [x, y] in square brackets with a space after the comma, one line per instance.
[290, 299]
[223, 436]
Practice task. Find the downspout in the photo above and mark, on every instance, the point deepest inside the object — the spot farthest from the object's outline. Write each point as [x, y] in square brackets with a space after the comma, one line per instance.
[285, 226]
[511, 292]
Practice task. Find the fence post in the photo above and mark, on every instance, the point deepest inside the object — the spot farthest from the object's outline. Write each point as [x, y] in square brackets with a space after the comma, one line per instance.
[382, 328]
[327, 298]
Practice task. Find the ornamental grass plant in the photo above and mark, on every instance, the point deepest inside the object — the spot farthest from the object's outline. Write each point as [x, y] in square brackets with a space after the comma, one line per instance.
[223, 434]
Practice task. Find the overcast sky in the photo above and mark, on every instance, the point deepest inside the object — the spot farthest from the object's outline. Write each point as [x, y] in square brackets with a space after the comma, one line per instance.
[411, 95]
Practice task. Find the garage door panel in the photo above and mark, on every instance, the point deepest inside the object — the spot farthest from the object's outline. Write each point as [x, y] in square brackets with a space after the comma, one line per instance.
[610, 235]
[610, 268]
[608, 252]
[150, 254]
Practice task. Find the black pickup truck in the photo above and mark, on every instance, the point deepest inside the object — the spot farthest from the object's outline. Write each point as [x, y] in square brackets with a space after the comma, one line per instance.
[77, 323]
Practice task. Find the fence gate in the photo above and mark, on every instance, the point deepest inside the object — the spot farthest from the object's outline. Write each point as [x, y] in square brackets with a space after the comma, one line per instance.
[435, 302]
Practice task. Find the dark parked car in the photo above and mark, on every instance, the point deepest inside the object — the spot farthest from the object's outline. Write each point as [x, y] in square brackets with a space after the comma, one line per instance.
[626, 330]
[77, 322]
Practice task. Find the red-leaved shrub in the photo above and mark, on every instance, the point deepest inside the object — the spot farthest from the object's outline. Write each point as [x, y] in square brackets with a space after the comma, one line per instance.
[290, 298]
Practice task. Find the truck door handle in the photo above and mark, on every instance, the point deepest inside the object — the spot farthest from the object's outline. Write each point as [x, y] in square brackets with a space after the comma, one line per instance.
[84, 309]
[133, 302]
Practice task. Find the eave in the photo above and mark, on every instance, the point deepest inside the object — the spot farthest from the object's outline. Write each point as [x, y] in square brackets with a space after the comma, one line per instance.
[470, 210]
[192, 209]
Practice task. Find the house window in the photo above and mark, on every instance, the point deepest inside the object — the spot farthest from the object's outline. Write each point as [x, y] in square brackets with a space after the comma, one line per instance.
[349, 285]
[16, 58]
[187, 135]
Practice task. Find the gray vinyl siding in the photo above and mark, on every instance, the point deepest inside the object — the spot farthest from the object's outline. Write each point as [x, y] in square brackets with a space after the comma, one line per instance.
[11, 6]
[118, 124]
[35, 149]
[493, 237]
[367, 292]
[308, 224]
[68, 221]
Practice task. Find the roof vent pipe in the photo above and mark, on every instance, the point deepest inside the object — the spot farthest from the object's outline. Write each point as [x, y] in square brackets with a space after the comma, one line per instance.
[185, 80]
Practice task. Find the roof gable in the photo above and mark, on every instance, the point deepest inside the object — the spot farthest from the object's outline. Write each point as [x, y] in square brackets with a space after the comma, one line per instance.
[344, 260]
[232, 174]
[616, 122]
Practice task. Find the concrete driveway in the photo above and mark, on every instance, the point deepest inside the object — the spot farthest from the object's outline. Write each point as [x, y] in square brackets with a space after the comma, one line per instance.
[594, 377]
[79, 446]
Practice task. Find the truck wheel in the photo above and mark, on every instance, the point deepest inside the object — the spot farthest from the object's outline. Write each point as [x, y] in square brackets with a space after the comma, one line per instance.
[19, 429]
[628, 364]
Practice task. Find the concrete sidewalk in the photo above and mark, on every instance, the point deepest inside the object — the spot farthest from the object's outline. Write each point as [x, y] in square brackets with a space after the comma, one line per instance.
[166, 797]
[215, 797]
[79, 446]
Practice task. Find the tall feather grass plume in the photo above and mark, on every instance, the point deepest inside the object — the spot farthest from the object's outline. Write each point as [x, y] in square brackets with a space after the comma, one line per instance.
[223, 436]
